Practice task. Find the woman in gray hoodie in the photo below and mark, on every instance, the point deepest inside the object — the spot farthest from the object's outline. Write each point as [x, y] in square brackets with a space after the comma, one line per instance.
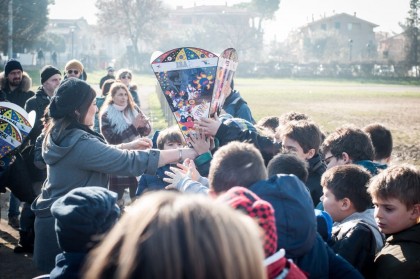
[76, 156]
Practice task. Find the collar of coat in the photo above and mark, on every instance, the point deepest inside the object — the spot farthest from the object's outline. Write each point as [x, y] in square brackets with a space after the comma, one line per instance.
[24, 86]
[116, 118]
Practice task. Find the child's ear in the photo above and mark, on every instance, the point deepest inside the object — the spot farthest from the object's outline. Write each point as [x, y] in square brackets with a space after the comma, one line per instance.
[415, 212]
[346, 158]
[345, 204]
[310, 153]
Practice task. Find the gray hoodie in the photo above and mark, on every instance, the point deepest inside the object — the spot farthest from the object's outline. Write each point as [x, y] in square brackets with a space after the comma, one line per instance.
[368, 219]
[79, 160]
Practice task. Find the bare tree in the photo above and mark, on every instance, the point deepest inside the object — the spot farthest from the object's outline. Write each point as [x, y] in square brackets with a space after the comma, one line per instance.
[136, 20]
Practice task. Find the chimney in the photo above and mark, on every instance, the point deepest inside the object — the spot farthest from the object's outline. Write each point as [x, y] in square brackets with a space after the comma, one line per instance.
[354, 14]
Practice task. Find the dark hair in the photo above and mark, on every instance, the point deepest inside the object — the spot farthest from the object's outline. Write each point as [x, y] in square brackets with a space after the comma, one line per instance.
[306, 133]
[269, 122]
[292, 115]
[171, 134]
[351, 140]
[288, 163]
[107, 86]
[381, 139]
[400, 182]
[349, 181]
[236, 164]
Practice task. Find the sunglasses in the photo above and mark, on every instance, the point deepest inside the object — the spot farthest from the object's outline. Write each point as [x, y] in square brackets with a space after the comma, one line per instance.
[126, 77]
[76, 72]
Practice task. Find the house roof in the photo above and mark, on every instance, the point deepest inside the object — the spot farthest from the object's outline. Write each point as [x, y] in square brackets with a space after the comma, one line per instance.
[341, 15]
[211, 9]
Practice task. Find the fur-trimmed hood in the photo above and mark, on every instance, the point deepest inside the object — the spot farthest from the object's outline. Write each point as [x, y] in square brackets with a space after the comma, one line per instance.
[25, 85]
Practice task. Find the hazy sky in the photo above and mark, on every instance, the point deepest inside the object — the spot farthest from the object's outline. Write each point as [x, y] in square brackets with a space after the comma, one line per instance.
[292, 13]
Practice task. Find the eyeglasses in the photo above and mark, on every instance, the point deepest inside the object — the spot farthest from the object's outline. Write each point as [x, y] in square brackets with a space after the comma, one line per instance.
[126, 77]
[328, 159]
[70, 72]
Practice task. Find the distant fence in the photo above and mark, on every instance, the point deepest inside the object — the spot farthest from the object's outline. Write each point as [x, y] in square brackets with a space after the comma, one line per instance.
[166, 110]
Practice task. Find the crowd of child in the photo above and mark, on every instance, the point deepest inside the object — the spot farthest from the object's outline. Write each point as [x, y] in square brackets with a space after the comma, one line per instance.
[272, 199]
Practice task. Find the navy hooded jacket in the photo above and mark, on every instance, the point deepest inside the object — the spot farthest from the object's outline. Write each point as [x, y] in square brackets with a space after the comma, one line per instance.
[296, 228]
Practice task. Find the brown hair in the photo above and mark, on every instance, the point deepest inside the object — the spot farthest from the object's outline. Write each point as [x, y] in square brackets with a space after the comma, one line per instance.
[381, 139]
[107, 86]
[236, 164]
[112, 91]
[351, 140]
[306, 133]
[169, 235]
[171, 134]
[349, 181]
[288, 163]
[400, 182]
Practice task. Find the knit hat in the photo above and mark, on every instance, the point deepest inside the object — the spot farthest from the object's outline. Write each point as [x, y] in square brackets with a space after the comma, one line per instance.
[47, 72]
[248, 202]
[110, 68]
[74, 64]
[70, 95]
[82, 214]
[12, 64]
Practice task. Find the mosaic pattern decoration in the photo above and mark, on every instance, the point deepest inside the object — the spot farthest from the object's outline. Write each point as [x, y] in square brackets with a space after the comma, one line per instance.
[186, 76]
[14, 127]
[226, 68]
[16, 115]
[10, 137]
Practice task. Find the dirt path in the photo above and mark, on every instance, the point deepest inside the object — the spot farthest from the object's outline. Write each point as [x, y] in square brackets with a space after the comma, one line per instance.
[12, 266]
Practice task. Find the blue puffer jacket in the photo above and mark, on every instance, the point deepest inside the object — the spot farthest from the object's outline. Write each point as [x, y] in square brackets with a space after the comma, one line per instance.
[296, 228]
[155, 182]
[236, 106]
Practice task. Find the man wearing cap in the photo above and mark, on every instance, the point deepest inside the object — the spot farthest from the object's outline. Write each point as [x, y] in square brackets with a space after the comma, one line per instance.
[15, 84]
[109, 75]
[15, 87]
[74, 68]
[50, 79]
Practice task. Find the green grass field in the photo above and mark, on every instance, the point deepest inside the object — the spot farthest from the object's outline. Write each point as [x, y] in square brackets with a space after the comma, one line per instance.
[332, 104]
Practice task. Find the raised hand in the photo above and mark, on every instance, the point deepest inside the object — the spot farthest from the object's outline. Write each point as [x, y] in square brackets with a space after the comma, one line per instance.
[140, 120]
[208, 125]
[200, 142]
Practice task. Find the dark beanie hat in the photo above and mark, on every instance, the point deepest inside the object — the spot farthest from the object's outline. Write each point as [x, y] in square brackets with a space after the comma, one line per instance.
[70, 95]
[82, 214]
[47, 72]
[12, 64]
